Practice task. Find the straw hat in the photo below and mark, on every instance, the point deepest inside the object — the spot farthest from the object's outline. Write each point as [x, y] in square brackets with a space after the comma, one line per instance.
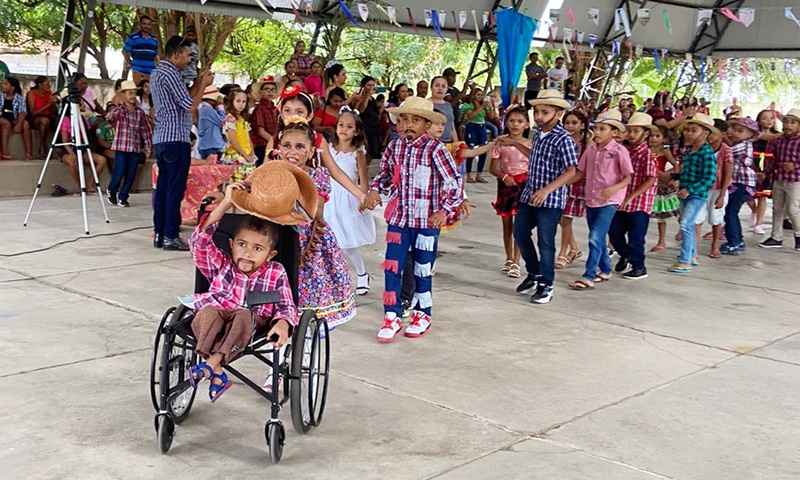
[263, 81]
[550, 97]
[127, 85]
[612, 117]
[747, 123]
[211, 93]
[704, 121]
[639, 119]
[794, 113]
[275, 190]
[419, 107]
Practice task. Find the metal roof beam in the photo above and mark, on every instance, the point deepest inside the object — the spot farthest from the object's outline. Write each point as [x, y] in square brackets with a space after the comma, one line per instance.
[719, 24]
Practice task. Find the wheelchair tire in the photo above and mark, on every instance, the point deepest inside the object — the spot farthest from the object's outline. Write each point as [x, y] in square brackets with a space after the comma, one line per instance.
[318, 373]
[165, 432]
[180, 358]
[299, 374]
[276, 438]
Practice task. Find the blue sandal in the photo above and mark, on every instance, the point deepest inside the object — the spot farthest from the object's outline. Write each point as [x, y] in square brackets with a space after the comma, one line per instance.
[198, 373]
[214, 390]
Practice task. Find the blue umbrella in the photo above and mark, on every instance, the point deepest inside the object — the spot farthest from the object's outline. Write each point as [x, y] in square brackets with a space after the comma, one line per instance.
[514, 35]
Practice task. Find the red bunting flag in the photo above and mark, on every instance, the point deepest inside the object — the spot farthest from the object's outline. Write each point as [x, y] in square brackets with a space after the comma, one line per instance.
[411, 19]
[458, 33]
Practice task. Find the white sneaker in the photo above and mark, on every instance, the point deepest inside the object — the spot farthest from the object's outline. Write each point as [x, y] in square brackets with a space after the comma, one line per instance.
[390, 328]
[752, 221]
[362, 287]
[759, 229]
[420, 323]
[268, 383]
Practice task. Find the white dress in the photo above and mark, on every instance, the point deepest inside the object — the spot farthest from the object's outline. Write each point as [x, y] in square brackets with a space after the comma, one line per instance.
[352, 228]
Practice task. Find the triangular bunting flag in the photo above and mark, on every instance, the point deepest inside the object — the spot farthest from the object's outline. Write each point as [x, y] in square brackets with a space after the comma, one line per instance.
[747, 16]
[363, 10]
[643, 15]
[639, 49]
[703, 16]
[462, 18]
[458, 29]
[594, 15]
[592, 40]
[411, 19]
[657, 59]
[442, 18]
[667, 23]
[730, 15]
[571, 17]
[428, 17]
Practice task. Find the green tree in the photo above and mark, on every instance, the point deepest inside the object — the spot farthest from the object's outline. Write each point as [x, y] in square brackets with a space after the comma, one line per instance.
[255, 47]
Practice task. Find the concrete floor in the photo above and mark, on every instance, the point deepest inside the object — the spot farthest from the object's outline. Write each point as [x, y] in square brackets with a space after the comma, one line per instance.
[692, 377]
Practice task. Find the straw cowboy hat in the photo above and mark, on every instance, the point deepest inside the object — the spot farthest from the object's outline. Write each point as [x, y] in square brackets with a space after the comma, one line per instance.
[794, 113]
[275, 190]
[639, 119]
[127, 85]
[612, 117]
[419, 107]
[550, 97]
[704, 121]
[211, 93]
[263, 81]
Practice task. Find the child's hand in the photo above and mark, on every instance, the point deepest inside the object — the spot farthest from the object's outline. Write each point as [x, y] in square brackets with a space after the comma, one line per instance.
[437, 220]
[760, 177]
[233, 187]
[607, 192]
[539, 196]
[371, 200]
[281, 329]
[683, 194]
[466, 210]
[788, 166]
[509, 181]
[719, 203]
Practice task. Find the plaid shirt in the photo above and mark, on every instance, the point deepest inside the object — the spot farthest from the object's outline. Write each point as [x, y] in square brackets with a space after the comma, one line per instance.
[644, 166]
[17, 105]
[229, 285]
[421, 179]
[786, 150]
[743, 171]
[699, 171]
[265, 115]
[133, 130]
[550, 156]
[172, 102]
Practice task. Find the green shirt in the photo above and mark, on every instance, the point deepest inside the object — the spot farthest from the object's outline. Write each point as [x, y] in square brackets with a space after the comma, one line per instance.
[699, 170]
[479, 118]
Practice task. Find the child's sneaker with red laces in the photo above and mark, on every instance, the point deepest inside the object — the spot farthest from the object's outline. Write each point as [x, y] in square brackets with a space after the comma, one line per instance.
[420, 323]
[390, 328]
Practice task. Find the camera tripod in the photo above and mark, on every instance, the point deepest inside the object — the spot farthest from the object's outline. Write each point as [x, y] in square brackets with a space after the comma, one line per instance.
[79, 142]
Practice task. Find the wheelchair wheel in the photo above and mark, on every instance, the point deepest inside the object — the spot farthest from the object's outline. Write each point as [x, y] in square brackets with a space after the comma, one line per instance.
[319, 368]
[299, 372]
[276, 438]
[165, 432]
[171, 360]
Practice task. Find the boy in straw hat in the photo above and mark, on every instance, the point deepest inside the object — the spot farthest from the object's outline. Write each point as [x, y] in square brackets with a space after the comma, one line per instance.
[553, 158]
[699, 170]
[718, 194]
[786, 189]
[744, 177]
[424, 189]
[223, 324]
[264, 119]
[209, 124]
[134, 135]
[633, 216]
[606, 165]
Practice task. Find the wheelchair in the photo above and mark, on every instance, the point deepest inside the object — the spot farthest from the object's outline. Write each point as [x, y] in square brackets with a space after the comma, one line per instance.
[302, 370]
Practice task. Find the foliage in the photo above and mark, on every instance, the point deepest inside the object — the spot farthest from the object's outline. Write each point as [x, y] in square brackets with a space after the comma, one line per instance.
[256, 48]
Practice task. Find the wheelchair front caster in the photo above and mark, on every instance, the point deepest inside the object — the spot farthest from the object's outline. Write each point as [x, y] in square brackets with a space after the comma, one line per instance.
[165, 431]
[276, 437]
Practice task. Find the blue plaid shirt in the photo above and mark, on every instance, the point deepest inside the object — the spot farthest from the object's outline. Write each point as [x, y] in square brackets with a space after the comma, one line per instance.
[171, 102]
[550, 157]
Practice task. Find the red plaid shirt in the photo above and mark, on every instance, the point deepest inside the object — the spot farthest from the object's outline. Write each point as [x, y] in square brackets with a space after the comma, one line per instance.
[229, 285]
[645, 166]
[134, 133]
[265, 115]
[743, 170]
[421, 179]
[786, 150]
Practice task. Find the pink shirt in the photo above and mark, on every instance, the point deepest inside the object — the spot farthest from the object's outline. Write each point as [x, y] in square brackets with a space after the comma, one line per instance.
[313, 85]
[604, 167]
[512, 161]
[724, 155]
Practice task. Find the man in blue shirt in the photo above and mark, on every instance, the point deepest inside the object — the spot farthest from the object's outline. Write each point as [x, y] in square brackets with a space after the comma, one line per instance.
[141, 50]
[172, 104]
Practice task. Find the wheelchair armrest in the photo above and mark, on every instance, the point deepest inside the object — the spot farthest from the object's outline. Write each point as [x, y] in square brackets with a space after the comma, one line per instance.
[254, 299]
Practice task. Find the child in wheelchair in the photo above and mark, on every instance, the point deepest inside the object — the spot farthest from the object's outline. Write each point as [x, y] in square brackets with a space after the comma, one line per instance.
[224, 324]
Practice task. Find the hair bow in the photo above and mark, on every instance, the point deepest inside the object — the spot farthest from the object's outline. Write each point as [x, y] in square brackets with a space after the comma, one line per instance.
[332, 63]
[346, 108]
[295, 119]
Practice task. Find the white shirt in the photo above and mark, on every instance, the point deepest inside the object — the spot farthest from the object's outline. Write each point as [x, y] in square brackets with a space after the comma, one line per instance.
[556, 77]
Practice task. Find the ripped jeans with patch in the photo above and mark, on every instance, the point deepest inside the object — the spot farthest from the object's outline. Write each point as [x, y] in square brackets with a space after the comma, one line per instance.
[422, 243]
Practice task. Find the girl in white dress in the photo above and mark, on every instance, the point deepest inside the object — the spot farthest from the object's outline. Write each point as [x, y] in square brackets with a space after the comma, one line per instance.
[353, 228]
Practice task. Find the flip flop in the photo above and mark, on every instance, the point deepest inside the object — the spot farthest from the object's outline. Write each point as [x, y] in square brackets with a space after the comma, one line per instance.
[514, 272]
[657, 248]
[561, 262]
[214, 390]
[680, 270]
[572, 256]
[197, 373]
[602, 277]
[715, 255]
[581, 284]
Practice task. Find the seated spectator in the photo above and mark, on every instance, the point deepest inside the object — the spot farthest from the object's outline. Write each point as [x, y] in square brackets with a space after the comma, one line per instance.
[146, 100]
[70, 158]
[12, 118]
[102, 140]
[89, 108]
[325, 118]
[42, 111]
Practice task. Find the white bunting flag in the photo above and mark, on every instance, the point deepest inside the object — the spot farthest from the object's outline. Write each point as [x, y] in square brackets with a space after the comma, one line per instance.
[363, 10]
[475, 22]
[621, 21]
[580, 37]
[273, 3]
[639, 49]
[594, 15]
[643, 15]
[688, 57]
[664, 52]
[462, 18]
[704, 16]
[592, 40]
[554, 31]
[391, 12]
[485, 18]
[747, 16]
[555, 14]
[428, 17]
[442, 18]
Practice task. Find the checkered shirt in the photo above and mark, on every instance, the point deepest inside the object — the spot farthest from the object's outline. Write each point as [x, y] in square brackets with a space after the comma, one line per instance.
[699, 171]
[550, 157]
[645, 166]
[134, 133]
[171, 102]
[229, 285]
[743, 171]
[421, 179]
[265, 115]
[786, 150]
[18, 105]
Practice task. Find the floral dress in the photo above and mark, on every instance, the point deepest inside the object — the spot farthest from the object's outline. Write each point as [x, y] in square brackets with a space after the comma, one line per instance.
[231, 156]
[324, 279]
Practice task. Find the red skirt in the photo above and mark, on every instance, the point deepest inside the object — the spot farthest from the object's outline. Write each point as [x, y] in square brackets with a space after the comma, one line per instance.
[508, 197]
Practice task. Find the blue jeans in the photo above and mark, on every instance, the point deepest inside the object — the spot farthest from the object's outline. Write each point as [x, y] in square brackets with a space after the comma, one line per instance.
[423, 243]
[173, 159]
[546, 220]
[475, 136]
[690, 208]
[125, 164]
[492, 128]
[599, 220]
[634, 225]
[733, 227]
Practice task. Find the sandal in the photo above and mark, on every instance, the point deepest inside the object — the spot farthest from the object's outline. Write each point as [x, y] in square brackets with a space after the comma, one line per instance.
[513, 272]
[561, 262]
[581, 284]
[657, 248]
[197, 373]
[679, 237]
[5, 157]
[480, 179]
[679, 269]
[216, 390]
[602, 277]
[574, 255]
[708, 236]
[27, 156]
[716, 254]
[362, 289]
[470, 179]
[507, 266]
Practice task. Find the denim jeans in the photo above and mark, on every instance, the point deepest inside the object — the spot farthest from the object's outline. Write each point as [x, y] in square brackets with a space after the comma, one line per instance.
[423, 243]
[599, 220]
[492, 129]
[634, 225]
[173, 159]
[125, 164]
[546, 220]
[733, 227]
[690, 208]
[475, 136]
